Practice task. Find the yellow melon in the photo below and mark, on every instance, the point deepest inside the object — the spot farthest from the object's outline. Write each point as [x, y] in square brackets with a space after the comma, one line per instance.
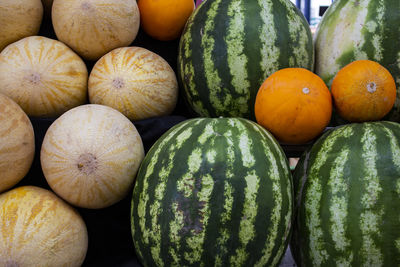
[135, 81]
[94, 27]
[90, 156]
[39, 229]
[19, 19]
[17, 143]
[44, 76]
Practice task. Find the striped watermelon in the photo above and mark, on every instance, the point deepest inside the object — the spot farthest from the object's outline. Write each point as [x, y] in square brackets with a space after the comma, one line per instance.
[354, 30]
[348, 196]
[229, 47]
[213, 192]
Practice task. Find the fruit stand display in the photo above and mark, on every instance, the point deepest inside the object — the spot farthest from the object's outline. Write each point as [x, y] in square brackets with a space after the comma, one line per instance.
[151, 133]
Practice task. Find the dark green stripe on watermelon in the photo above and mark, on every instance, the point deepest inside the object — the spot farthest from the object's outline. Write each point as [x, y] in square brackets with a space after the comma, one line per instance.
[221, 177]
[392, 63]
[390, 194]
[252, 48]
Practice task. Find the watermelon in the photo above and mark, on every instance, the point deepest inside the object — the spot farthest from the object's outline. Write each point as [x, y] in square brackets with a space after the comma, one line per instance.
[353, 30]
[229, 47]
[347, 198]
[213, 192]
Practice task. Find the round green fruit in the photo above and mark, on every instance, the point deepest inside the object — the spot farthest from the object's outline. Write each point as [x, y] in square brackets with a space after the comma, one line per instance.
[347, 189]
[213, 192]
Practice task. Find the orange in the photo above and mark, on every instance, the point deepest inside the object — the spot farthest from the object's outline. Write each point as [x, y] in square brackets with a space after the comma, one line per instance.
[363, 90]
[293, 104]
[164, 19]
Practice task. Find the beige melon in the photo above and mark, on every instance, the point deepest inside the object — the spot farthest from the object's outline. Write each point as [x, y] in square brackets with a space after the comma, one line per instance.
[39, 229]
[17, 143]
[44, 76]
[19, 19]
[135, 81]
[94, 27]
[90, 156]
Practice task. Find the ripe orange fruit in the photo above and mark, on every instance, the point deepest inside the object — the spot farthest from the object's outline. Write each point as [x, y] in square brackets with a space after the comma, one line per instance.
[363, 90]
[164, 19]
[294, 104]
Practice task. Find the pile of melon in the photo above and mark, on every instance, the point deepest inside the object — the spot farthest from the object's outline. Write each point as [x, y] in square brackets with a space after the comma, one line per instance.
[164, 132]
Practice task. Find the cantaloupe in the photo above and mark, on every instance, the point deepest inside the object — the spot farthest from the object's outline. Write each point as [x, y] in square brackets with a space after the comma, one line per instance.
[135, 81]
[44, 76]
[94, 27]
[19, 19]
[90, 156]
[17, 143]
[37, 228]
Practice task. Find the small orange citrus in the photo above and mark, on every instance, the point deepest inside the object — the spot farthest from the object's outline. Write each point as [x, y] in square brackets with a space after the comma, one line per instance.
[164, 19]
[363, 90]
[294, 104]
